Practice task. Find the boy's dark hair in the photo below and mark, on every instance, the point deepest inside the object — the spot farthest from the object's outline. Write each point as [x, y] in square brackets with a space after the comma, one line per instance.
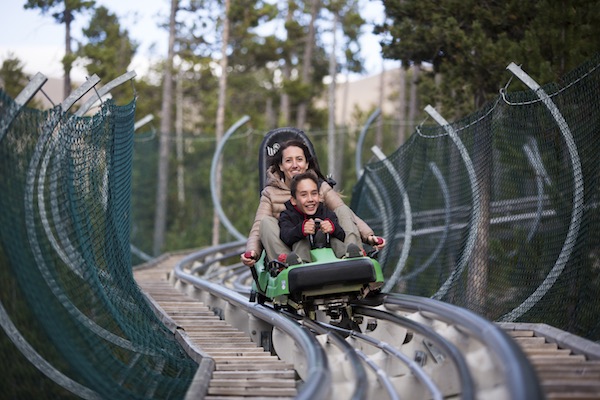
[300, 177]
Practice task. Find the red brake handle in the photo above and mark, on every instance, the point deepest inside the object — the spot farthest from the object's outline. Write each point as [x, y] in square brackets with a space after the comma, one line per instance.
[248, 254]
[379, 240]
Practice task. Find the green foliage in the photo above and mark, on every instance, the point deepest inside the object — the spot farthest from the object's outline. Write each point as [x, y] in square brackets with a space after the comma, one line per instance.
[255, 87]
[148, 100]
[68, 60]
[62, 10]
[470, 43]
[108, 49]
[13, 80]
[297, 90]
[12, 77]
[351, 24]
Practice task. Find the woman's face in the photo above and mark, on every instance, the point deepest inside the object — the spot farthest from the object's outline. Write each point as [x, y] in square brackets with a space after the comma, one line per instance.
[293, 162]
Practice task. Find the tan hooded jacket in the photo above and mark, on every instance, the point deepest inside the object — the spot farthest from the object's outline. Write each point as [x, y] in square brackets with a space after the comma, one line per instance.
[272, 200]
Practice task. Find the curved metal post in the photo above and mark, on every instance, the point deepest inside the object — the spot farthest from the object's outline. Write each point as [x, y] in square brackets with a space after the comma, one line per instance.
[213, 171]
[79, 92]
[42, 152]
[75, 260]
[408, 226]
[361, 139]
[22, 98]
[138, 124]
[31, 89]
[104, 90]
[475, 216]
[386, 219]
[576, 215]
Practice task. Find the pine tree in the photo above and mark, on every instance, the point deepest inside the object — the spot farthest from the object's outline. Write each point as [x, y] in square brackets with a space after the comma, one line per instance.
[109, 50]
[63, 12]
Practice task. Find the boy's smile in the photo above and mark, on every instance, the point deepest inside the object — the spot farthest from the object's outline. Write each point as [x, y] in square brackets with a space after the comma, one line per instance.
[307, 197]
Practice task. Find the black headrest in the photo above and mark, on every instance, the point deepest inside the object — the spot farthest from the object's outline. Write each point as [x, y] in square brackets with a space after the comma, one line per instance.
[270, 146]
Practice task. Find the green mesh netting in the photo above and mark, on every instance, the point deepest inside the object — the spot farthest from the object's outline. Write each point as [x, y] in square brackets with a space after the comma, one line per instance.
[499, 212]
[68, 295]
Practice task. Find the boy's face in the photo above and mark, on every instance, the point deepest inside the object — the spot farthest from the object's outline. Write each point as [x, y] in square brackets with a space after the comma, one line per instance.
[307, 197]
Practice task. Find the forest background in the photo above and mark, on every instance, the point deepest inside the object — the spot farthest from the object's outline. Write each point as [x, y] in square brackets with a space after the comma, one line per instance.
[221, 66]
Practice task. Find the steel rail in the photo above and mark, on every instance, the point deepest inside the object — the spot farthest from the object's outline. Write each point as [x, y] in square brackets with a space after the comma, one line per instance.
[522, 381]
[466, 379]
[411, 364]
[318, 383]
[361, 382]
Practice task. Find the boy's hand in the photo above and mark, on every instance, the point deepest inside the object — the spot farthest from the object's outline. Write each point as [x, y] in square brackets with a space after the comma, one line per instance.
[309, 227]
[326, 226]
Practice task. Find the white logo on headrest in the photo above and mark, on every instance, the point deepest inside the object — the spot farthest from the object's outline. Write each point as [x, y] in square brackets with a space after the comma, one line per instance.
[271, 151]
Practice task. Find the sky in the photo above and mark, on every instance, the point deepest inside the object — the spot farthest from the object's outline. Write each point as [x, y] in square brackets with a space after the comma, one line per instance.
[38, 41]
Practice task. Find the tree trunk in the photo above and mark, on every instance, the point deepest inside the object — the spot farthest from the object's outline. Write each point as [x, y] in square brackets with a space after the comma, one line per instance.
[479, 267]
[179, 140]
[270, 118]
[331, 148]
[341, 137]
[67, 61]
[401, 106]
[379, 126]
[306, 62]
[344, 113]
[220, 127]
[414, 95]
[438, 84]
[284, 112]
[284, 117]
[160, 217]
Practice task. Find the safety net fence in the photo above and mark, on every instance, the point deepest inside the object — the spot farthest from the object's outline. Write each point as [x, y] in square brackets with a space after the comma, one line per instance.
[498, 212]
[70, 310]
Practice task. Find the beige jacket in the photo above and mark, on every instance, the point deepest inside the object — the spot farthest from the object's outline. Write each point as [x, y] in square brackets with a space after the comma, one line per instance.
[272, 199]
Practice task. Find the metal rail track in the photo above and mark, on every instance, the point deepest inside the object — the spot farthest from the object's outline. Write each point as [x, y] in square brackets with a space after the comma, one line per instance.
[407, 347]
[240, 368]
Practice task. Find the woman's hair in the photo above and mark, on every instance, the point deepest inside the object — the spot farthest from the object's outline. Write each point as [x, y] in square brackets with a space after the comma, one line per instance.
[311, 161]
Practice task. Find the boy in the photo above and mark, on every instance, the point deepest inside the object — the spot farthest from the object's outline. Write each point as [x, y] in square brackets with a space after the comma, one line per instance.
[305, 215]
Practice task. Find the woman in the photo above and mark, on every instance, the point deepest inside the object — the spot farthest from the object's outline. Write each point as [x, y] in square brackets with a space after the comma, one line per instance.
[293, 158]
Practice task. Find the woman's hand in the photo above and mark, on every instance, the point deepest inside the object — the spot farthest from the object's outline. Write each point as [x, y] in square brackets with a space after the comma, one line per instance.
[249, 258]
[376, 241]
